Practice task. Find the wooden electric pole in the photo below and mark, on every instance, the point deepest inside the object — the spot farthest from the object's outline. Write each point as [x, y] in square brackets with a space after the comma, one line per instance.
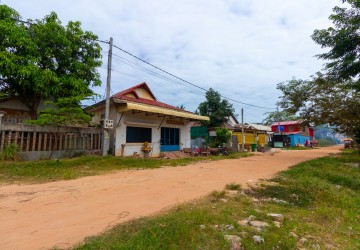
[278, 116]
[242, 130]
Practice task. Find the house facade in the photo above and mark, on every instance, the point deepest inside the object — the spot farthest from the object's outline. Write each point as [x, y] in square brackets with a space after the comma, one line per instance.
[143, 125]
[295, 131]
[14, 111]
[253, 134]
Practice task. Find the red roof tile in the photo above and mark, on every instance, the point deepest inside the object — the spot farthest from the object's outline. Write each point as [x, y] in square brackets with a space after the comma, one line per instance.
[122, 95]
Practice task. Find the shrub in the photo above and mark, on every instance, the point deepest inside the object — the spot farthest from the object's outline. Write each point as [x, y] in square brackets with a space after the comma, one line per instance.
[10, 153]
[233, 186]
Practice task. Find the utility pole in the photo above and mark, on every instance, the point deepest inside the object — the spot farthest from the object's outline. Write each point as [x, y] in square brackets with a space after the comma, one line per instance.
[107, 122]
[242, 130]
[278, 115]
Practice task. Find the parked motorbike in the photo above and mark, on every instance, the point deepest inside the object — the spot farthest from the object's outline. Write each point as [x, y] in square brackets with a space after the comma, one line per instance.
[223, 150]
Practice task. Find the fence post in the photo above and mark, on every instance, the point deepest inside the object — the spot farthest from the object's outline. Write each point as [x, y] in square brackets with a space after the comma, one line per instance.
[39, 142]
[2, 139]
[9, 138]
[22, 141]
[28, 138]
[34, 142]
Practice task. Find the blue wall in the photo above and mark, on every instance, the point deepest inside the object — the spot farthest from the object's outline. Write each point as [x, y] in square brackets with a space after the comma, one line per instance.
[298, 139]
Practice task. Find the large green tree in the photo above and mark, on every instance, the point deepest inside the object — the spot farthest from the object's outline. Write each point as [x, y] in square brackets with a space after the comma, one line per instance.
[321, 100]
[343, 40]
[43, 60]
[272, 117]
[217, 109]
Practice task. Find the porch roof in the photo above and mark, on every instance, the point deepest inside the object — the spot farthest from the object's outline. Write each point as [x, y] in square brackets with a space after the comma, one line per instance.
[126, 105]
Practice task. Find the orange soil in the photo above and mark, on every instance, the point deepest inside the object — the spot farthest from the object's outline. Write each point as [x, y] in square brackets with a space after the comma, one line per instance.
[63, 213]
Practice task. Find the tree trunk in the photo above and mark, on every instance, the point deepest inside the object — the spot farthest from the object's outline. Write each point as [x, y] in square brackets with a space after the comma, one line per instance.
[33, 114]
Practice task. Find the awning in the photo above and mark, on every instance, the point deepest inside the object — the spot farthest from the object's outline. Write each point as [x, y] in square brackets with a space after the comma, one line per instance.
[123, 106]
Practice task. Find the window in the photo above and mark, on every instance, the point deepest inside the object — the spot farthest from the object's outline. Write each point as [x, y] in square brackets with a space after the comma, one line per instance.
[138, 134]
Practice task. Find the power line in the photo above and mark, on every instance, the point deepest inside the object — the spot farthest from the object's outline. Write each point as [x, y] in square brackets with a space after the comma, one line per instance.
[151, 72]
[252, 115]
[160, 69]
[181, 79]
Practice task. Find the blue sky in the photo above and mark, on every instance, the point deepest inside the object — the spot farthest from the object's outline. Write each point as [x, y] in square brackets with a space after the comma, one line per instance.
[241, 48]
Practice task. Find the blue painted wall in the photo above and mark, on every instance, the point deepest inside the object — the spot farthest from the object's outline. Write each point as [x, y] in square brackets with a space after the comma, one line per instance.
[298, 139]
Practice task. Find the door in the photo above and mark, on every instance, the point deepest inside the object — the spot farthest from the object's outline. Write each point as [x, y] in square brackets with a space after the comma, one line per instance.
[170, 139]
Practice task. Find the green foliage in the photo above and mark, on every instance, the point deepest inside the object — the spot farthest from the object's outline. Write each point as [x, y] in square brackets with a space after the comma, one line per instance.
[233, 186]
[284, 115]
[323, 208]
[43, 60]
[223, 136]
[218, 194]
[65, 112]
[50, 170]
[218, 110]
[323, 101]
[10, 153]
[343, 40]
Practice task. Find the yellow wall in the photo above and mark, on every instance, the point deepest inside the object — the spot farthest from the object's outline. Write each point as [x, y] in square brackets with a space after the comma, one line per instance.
[250, 137]
[262, 139]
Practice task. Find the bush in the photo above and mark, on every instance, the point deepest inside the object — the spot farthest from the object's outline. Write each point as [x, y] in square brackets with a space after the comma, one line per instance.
[223, 136]
[10, 153]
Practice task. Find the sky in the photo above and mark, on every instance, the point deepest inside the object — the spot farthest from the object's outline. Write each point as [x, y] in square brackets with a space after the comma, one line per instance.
[240, 48]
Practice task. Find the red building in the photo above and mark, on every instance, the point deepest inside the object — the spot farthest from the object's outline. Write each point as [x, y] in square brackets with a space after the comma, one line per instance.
[297, 133]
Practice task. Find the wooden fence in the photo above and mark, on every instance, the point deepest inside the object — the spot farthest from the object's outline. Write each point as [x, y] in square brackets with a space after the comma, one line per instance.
[36, 138]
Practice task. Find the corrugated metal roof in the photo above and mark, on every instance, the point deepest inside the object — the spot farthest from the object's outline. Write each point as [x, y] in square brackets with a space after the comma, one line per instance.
[286, 123]
[260, 127]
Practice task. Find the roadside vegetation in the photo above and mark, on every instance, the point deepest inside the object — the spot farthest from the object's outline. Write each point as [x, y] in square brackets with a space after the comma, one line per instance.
[66, 169]
[313, 205]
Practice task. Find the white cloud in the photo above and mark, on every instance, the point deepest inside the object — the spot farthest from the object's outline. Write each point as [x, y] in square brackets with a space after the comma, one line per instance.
[240, 48]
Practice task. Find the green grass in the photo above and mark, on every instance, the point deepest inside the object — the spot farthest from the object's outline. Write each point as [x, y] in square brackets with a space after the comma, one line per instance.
[65, 169]
[323, 206]
[298, 148]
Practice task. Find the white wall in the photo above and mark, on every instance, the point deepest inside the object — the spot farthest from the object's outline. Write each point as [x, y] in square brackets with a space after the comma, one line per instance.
[151, 121]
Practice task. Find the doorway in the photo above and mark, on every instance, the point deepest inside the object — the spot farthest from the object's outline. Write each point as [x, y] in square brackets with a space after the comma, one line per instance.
[170, 139]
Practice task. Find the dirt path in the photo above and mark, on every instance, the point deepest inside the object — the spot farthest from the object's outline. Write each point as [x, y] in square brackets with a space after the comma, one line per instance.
[63, 213]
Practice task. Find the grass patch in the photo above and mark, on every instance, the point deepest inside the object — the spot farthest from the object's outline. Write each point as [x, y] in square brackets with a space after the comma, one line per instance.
[66, 169]
[233, 186]
[321, 211]
[298, 148]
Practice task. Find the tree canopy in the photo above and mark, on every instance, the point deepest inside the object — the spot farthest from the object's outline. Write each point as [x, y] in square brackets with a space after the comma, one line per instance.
[332, 97]
[344, 42]
[284, 115]
[42, 60]
[321, 100]
[214, 107]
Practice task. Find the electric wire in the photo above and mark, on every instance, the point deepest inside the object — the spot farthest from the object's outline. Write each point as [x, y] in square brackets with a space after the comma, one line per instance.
[154, 73]
[183, 80]
[160, 69]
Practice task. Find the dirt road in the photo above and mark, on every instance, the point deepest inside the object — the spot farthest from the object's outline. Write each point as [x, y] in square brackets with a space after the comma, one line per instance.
[63, 213]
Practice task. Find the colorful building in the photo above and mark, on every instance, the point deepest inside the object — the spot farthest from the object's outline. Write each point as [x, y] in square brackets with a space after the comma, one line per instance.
[297, 133]
[142, 123]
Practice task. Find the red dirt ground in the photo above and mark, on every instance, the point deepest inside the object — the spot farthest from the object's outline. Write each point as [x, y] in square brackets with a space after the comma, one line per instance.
[63, 213]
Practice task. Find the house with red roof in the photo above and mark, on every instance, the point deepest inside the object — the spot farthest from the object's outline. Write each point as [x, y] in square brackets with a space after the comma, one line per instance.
[144, 125]
[297, 133]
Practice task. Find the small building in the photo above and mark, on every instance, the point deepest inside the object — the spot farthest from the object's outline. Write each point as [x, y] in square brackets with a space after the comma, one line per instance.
[253, 134]
[296, 132]
[139, 118]
[14, 111]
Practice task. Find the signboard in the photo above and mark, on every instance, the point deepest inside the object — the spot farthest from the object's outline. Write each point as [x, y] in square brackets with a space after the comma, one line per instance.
[108, 124]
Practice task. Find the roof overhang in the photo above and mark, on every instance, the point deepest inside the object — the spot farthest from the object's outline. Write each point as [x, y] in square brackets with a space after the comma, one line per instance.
[123, 106]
